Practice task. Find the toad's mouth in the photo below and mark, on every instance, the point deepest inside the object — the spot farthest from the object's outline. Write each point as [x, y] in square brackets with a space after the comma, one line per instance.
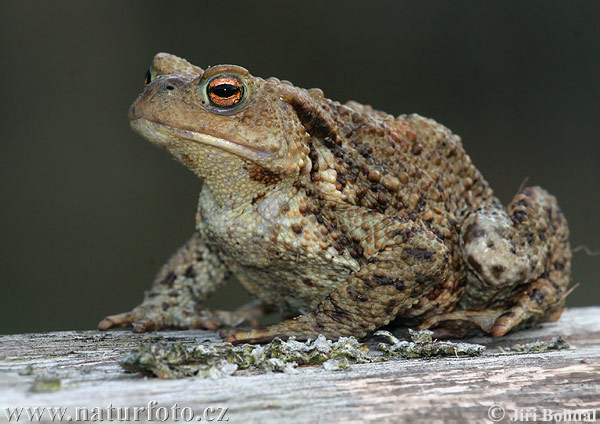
[164, 135]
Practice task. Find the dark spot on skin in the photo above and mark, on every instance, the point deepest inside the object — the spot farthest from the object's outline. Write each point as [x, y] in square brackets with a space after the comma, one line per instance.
[403, 235]
[538, 296]
[476, 266]
[508, 314]
[439, 234]
[490, 244]
[497, 271]
[390, 307]
[341, 179]
[297, 228]
[472, 232]
[173, 293]
[384, 281]
[308, 282]
[416, 149]
[262, 175]
[169, 279]
[519, 216]
[399, 285]
[187, 160]
[257, 198]
[522, 202]
[165, 306]
[554, 285]
[558, 266]
[189, 272]
[420, 254]
[530, 238]
[331, 142]
[420, 278]
[421, 204]
[363, 153]
[451, 150]
[434, 294]
[313, 155]
[152, 294]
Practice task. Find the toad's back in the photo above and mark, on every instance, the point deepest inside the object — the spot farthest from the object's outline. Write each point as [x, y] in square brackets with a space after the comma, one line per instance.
[410, 166]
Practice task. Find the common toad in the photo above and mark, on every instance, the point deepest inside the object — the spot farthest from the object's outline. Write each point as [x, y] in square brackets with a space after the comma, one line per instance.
[339, 215]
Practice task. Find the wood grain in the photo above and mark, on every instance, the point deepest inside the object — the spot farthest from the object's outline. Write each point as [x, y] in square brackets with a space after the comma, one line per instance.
[408, 390]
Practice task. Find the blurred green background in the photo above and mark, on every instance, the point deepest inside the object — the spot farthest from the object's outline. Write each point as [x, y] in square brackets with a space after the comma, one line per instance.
[90, 210]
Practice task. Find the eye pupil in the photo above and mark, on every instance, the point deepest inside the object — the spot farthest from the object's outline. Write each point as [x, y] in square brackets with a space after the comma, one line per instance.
[224, 90]
[148, 77]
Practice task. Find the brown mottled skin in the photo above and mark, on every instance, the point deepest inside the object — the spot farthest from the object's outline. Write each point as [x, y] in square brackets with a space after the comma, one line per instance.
[342, 215]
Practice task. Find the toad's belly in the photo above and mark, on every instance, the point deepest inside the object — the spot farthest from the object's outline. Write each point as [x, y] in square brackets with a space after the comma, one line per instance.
[291, 288]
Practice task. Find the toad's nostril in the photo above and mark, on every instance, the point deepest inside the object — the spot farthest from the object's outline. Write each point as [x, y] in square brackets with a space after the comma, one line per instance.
[170, 87]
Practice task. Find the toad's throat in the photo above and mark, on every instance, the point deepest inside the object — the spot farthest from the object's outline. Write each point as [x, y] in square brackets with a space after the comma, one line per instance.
[164, 135]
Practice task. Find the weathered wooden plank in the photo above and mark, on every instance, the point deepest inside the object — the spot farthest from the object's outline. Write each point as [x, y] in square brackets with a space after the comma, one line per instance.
[442, 390]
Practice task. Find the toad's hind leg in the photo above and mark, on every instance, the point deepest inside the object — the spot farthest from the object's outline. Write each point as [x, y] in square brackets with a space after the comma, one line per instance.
[519, 263]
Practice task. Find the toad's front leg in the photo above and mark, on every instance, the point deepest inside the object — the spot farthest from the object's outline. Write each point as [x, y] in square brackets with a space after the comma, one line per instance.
[405, 264]
[176, 296]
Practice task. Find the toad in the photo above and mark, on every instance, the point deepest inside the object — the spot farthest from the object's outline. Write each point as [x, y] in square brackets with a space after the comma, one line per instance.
[343, 217]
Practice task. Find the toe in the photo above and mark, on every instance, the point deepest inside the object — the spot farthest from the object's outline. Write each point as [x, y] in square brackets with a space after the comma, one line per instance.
[112, 321]
[503, 324]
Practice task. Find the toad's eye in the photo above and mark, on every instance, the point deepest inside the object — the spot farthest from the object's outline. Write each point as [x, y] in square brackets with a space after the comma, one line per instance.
[148, 77]
[225, 91]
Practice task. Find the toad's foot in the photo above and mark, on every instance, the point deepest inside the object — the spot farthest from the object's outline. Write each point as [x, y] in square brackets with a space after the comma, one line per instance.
[145, 319]
[459, 324]
[148, 318]
[538, 302]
